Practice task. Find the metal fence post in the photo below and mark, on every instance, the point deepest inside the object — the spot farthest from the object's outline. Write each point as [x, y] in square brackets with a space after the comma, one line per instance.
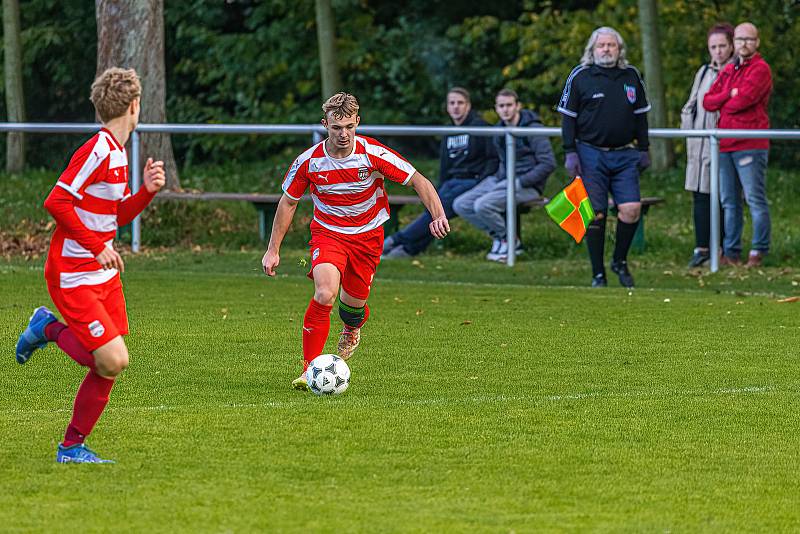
[511, 199]
[135, 179]
[713, 241]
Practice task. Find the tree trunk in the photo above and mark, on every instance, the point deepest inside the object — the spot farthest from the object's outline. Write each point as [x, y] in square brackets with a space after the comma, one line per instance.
[326, 38]
[663, 154]
[15, 98]
[130, 34]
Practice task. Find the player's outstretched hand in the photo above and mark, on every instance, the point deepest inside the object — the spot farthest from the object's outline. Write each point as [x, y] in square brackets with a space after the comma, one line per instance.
[154, 176]
[270, 262]
[110, 259]
[440, 227]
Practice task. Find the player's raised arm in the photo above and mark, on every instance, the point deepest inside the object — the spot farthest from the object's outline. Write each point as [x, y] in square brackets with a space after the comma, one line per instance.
[283, 218]
[439, 226]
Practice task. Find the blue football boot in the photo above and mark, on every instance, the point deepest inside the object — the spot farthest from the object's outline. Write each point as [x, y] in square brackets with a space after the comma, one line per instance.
[32, 337]
[79, 454]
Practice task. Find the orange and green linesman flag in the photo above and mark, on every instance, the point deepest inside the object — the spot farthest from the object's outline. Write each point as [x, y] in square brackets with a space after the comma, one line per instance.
[572, 210]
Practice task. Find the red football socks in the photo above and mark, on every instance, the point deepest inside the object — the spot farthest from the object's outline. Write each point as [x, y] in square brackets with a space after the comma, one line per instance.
[66, 341]
[90, 402]
[366, 315]
[316, 325]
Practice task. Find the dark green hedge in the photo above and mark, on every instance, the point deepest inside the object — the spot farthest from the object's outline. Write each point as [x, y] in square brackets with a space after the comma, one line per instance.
[256, 61]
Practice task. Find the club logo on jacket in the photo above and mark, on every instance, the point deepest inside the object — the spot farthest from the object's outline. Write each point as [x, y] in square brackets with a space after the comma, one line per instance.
[630, 92]
[363, 173]
[96, 328]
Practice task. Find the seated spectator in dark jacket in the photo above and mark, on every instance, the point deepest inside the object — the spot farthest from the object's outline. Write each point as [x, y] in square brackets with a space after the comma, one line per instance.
[465, 160]
[485, 205]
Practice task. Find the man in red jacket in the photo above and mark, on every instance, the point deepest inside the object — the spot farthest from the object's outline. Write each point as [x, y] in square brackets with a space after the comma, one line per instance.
[741, 94]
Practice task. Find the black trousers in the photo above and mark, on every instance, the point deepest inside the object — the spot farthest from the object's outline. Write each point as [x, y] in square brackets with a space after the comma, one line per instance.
[702, 220]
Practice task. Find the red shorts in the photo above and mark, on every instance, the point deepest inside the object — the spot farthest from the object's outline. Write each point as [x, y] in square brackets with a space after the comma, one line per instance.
[95, 314]
[356, 256]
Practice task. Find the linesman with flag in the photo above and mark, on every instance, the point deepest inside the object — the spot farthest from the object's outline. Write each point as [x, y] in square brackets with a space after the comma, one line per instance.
[604, 110]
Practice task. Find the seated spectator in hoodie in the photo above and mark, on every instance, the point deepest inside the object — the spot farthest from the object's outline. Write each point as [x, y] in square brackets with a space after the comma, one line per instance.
[485, 205]
[465, 160]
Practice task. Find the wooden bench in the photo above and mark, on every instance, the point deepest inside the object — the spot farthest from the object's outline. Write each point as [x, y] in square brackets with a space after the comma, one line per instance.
[266, 204]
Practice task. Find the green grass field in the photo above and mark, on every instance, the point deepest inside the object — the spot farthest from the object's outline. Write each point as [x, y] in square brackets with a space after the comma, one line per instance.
[514, 404]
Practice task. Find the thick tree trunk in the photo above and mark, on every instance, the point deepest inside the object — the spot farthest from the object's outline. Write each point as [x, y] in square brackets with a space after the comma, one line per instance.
[130, 34]
[326, 38]
[663, 154]
[15, 98]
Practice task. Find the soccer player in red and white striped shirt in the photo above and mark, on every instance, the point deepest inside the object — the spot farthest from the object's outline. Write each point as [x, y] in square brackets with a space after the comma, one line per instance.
[90, 200]
[345, 176]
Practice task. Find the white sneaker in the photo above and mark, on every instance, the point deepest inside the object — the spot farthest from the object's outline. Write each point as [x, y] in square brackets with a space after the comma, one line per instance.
[495, 248]
[501, 254]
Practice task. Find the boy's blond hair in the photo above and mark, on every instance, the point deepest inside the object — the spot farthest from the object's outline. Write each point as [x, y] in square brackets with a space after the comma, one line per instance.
[113, 91]
[341, 105]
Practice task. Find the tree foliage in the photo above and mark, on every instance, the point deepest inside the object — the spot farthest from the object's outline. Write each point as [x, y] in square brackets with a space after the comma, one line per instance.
[256, 61]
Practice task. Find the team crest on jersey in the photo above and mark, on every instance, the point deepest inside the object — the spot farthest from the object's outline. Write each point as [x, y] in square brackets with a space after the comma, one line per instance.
[630, 92]
[96, 328]
[363, 173]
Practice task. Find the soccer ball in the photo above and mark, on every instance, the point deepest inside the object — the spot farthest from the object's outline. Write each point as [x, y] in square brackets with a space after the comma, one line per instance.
[328, 374]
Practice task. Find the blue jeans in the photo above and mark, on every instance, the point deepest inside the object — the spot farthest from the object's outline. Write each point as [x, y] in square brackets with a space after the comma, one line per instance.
[744, 171]
[417, 236]
[485, 205]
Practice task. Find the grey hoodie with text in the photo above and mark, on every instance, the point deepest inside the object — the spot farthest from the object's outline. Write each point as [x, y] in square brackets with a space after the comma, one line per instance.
[534, 159]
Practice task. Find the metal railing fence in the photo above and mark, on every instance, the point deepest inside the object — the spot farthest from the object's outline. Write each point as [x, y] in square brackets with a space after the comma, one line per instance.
[317, 132]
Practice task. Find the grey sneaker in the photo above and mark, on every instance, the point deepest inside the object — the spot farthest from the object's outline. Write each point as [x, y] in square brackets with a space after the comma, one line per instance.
[396, 253]
[389, 243]
[699, 257]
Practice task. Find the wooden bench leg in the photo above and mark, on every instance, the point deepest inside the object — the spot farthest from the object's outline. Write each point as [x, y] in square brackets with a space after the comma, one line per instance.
[638, 239]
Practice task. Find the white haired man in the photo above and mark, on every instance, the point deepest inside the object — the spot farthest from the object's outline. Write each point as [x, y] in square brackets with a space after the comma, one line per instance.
[603, 111]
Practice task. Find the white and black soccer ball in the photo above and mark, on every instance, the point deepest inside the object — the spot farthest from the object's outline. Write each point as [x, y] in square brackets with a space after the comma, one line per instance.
[328, 374]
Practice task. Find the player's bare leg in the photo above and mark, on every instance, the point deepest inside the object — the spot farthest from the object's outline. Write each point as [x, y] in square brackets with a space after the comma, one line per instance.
[112, 358]
[109, 361]
[354, 313]
[317, 320]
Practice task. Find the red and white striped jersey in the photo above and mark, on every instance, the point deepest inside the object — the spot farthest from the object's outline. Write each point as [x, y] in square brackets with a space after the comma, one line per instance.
[348, 198]
[97, 176]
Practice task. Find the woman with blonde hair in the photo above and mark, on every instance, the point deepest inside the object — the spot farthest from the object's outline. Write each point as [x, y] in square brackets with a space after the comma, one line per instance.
[698, 153]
